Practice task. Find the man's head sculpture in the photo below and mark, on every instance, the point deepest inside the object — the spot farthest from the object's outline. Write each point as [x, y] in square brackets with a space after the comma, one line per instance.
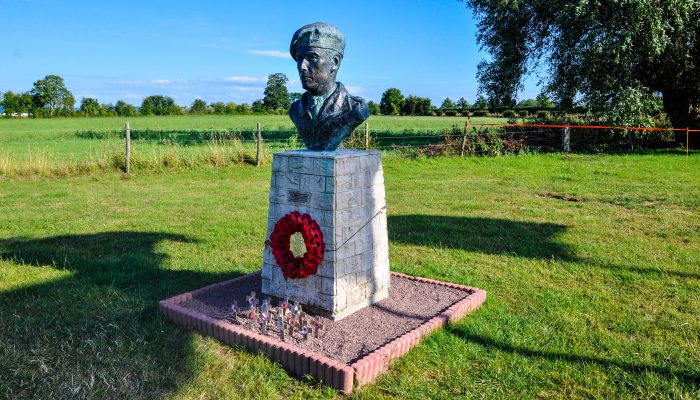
[326, 114]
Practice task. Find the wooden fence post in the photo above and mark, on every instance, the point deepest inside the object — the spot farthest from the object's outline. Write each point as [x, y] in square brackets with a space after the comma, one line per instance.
[464, 138]
[366, 135]
[566, 137]
[127, 155]
[257, 153]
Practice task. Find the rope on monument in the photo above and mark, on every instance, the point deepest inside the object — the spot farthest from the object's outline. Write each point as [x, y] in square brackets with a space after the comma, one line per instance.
[381, 210]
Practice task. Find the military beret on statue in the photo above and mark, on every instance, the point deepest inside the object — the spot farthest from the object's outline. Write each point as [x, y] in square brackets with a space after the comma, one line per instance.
[319, 35]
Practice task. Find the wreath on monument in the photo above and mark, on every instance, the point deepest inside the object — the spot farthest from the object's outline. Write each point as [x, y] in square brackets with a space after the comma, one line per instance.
[292, 266]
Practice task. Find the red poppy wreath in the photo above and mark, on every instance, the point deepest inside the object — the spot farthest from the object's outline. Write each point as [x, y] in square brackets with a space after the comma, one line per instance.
[292, 266]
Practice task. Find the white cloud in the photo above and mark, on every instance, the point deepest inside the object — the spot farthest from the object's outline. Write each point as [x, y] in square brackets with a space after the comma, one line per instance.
[165, 81]
[354, 89]
[244, 79]
[271, 53]
[245, 88]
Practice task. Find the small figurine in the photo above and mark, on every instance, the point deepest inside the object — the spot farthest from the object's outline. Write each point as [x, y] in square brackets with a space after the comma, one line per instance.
[317, 326]
[280, 326]
[296, 309]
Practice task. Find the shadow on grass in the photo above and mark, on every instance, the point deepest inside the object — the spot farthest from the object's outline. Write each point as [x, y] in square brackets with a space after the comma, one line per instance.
[96, 333]
[636, 368]
[483, 235]
[501, 237]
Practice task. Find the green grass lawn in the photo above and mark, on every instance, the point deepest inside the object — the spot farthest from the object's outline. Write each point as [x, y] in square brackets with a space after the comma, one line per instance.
[591, 264]
[60, 146]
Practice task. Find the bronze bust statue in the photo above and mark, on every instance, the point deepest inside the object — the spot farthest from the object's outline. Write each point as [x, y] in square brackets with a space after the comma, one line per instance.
[326, 114]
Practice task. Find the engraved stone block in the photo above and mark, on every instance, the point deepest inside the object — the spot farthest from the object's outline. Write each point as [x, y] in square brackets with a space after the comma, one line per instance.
[344, 192]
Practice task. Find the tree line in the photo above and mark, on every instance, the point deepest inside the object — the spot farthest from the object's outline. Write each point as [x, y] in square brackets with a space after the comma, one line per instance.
[50, 97]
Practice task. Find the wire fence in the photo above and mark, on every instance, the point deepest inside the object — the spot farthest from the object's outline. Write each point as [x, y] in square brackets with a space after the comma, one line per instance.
[158, 147]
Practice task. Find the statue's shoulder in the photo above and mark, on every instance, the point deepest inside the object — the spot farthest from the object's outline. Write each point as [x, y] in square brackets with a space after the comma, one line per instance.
[358, 105]
[295, 111]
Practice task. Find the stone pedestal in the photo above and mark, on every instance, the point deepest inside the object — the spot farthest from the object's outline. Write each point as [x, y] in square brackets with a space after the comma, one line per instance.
[343, 191]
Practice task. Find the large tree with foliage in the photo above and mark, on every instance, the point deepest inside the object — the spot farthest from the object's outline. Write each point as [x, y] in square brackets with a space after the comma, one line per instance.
[609, 55]
[16, 103]
[199, 106]
[391, 101]
[276, 93]
[124, 109]
[159, 105]
[89, 107]
[51, 93]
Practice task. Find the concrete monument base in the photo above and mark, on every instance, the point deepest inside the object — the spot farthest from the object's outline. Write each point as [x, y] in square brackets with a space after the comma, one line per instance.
[343, 191]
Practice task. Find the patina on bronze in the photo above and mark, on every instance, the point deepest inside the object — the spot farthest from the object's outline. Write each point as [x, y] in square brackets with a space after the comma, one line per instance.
[326, 113]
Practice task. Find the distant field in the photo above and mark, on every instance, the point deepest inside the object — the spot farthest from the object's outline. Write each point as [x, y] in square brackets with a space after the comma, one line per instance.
[43, 144]
[15, 129]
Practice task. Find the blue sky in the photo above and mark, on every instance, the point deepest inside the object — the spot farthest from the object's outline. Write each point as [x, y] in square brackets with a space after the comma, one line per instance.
[223, 51]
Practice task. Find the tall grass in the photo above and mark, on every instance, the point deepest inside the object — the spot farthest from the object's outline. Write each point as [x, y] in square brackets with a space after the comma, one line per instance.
[216, 152]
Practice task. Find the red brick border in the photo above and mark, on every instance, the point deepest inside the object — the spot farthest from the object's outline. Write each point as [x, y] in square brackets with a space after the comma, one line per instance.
[298, 361]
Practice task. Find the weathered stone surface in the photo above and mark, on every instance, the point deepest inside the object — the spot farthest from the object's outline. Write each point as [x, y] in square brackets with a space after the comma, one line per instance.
[344, 192]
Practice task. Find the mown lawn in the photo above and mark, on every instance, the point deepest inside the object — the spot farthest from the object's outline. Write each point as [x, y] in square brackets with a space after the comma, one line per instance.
[591, 263]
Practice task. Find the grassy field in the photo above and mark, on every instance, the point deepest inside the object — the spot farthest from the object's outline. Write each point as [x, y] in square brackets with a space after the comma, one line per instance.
[591, 264]
[64, 146]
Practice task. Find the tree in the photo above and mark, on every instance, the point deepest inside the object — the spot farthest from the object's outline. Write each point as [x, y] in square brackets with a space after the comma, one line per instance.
[218, 108]
[107, 110]
[481, 103]
[199, 106]
[462, 104]
[124, 109]
[258, 107]
[52, 93]
[89, 107]
[391, 101]
[231, 108]
[16, 103]
[414, 105]
[276, 94]
[159, 105]
[294, 97]
[373, 108]
[528, 103]
[605, 55]
[243, 108]
[543, 101]
[447, 104]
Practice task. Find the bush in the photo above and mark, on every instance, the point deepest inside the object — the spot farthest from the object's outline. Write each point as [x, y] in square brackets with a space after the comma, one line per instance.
[451, 113]
[542, 115]
[480, 113]
[524, 113]
[509, 114]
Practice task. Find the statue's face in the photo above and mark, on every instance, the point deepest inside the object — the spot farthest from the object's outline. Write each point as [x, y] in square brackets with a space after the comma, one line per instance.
[317, 69]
